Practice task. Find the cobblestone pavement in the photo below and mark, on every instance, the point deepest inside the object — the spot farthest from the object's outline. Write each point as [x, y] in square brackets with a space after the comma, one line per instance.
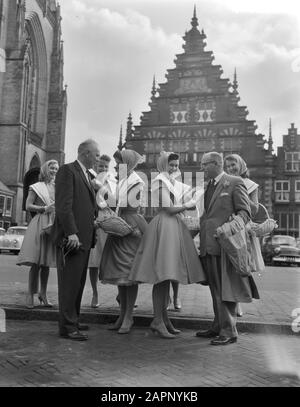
[31, 354]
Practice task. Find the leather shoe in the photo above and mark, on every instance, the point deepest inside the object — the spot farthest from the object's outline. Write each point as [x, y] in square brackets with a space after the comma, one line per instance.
[75, 336]
[83, 327]
[206, 334]
[223, 340]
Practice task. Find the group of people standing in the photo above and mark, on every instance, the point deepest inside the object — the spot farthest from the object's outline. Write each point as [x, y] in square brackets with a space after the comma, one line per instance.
[157, 253]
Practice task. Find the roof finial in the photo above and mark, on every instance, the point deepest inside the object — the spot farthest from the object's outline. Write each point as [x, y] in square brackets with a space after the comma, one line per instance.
[235, 82]
[153, 91]
[194, 21]
[129, 127]
[270, 141]
[120, 145]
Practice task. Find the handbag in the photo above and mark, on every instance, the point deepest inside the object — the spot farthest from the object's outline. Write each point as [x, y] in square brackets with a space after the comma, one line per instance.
[262, 224]
[112, 224]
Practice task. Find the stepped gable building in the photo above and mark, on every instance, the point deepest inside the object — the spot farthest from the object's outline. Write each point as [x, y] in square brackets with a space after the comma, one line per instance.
[197, 111]
[33, 99]
[287, 184]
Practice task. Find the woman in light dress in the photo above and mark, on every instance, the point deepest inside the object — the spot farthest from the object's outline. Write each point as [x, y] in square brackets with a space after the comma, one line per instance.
[104, 179]
[235, 165]
[167, 251]
[37, 249]
[119, 252]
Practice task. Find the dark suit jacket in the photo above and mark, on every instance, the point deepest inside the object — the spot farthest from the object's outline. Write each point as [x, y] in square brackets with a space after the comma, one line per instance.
[229, 198]
[75, 205]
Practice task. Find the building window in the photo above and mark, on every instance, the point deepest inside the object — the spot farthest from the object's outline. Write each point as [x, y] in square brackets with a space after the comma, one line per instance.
[288, 223]
[292, 161]
[152, 158]
[197, 157]
[184, 157]
[2, 204]
[282, 191]
[8, 206]
[297, 190]
[230, 145]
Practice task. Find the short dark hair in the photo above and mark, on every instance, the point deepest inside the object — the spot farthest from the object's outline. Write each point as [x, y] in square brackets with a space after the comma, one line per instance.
[172, 157]
[117, 155]
[105, 157]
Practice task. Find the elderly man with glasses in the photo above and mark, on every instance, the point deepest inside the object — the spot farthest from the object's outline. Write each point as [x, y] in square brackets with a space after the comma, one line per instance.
[225, 195]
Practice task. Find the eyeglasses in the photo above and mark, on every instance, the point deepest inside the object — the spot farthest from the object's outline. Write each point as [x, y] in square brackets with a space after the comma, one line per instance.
[208, 162]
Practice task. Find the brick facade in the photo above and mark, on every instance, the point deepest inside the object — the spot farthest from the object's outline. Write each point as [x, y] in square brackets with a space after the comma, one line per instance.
[286, 196]
[33, 100]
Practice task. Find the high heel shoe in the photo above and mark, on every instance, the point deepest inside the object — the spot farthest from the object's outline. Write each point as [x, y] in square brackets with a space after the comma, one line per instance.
[125, 329]
[29, 301]
[44, 301]
[116, 326]
[177, 304]
[172, 329]
[94, 303]
[162, 331]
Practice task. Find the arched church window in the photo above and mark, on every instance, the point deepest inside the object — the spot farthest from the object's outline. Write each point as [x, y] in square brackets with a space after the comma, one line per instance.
[35, 162]
[29, 88]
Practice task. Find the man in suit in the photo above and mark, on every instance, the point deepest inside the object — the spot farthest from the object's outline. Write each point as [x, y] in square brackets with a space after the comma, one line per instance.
[73, 233]
[225, 195]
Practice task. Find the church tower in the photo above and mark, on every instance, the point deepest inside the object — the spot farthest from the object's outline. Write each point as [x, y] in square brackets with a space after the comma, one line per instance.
[33, 99]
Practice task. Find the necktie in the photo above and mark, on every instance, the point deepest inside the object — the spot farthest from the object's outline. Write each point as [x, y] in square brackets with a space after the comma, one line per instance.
[209, 193]
[88, 174]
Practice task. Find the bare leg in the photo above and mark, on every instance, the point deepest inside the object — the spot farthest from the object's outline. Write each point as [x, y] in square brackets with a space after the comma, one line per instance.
[123, 299]
[131, 294]
[44, 283]
[239, 310]
[160, 297]
[33, 279]
[94, 274]
[176, 300]
[167, 321]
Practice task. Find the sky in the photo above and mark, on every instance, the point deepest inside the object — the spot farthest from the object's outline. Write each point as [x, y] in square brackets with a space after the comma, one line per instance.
[114, 47]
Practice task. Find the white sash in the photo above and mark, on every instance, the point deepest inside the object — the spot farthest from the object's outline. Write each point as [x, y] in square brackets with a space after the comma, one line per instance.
[42, 192]
[124, 186]
[250, 185]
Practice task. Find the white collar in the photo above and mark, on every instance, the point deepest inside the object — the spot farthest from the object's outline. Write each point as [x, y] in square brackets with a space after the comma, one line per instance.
[84, 169]
[217, 179]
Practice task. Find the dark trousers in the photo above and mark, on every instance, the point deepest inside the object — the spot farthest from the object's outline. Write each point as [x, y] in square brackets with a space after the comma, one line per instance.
[71, 276]
[225, 312]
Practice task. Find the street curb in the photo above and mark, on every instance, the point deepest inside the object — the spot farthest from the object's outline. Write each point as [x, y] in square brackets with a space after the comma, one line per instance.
[142, 320]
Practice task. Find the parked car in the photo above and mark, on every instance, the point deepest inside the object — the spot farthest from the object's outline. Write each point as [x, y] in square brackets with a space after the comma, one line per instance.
[280, 250]
[12, 240]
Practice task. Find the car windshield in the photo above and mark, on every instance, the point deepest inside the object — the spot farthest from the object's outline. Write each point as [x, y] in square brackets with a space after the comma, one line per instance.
[284, 240]
[2, 232]
[19, 232]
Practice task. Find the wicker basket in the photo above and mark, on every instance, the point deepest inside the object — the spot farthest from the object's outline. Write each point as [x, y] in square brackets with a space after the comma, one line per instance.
[115, 226]
[192, 224]
[265, 227]
[112, 224]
